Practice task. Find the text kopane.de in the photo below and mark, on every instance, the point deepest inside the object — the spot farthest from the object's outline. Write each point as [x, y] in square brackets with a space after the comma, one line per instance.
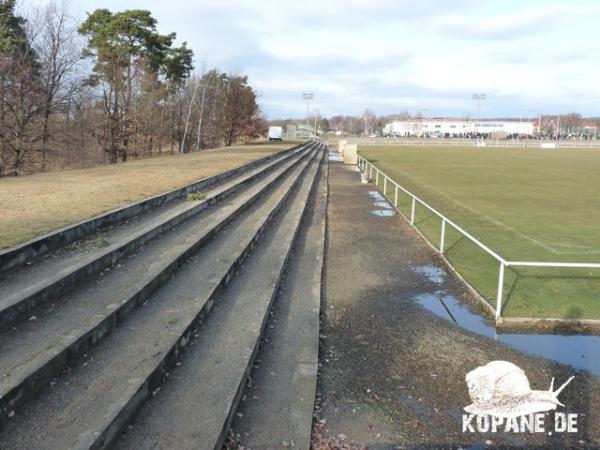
[532, 423]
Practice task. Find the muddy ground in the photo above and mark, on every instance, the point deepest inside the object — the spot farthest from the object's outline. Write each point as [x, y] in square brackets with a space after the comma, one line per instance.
[392, 374]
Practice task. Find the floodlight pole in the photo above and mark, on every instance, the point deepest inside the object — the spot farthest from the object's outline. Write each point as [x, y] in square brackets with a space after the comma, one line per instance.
[307, 96]
[421, 116]
[478, 97]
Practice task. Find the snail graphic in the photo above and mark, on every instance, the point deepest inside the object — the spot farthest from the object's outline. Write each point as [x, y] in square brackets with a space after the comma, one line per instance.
[501, 389]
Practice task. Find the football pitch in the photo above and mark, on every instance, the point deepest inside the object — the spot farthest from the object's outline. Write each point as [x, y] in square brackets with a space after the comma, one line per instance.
[525, 204]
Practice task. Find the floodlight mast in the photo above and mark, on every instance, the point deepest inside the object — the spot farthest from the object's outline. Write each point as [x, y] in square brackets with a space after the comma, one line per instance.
[478, 97]
[307, 96]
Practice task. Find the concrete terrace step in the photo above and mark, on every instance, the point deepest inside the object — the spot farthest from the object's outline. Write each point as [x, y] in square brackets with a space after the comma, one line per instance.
[37, 350]
[87, 406]
[17, 256]
[279, 403]
[194, 408]
[26, 288]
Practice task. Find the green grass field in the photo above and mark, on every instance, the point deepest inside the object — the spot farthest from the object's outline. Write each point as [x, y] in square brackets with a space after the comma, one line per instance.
[525, 204]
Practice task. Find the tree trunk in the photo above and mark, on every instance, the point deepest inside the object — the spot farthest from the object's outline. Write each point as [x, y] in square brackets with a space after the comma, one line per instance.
[45, 137]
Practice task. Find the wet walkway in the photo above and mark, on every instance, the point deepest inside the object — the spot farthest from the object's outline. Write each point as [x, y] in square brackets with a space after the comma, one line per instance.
[394, 363]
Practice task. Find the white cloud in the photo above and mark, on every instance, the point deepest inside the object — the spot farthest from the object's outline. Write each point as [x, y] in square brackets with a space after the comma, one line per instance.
[391, 55]
[513, 24]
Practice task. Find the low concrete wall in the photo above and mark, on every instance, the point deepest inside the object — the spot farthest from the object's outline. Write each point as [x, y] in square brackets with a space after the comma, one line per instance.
[20, 254]
[351, 154]
[341, 146]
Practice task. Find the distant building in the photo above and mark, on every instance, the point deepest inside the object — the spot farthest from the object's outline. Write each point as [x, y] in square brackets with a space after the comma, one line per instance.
[458, 128]
[290, 131]
[304, 130]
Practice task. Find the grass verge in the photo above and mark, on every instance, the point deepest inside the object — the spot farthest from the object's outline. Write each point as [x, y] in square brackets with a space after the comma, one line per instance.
[36, 204]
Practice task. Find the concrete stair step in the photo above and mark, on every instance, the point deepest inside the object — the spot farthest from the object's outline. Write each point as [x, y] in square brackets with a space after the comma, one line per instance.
[194, 408]
[36, 248]
[92, 402]
[279, 403]
[37, 350]
[23, 290]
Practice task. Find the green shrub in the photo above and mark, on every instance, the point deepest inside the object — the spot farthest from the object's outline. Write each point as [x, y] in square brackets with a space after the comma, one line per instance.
[195, 196]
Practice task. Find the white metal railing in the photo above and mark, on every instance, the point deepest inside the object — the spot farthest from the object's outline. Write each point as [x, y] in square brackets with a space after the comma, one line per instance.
[365, 166]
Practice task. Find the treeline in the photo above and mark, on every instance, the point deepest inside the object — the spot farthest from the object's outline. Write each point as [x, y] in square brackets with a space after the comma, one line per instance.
[108, 89]
[568, 125]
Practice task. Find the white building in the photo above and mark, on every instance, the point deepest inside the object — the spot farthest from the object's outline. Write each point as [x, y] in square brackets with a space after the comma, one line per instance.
[457, 128]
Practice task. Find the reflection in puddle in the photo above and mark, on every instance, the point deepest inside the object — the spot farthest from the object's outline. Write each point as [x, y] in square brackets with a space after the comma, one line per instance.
[580, 351]
[377, 196]
[383, 212]
[335, 157]
[434, 274]
[380, 202]
[383, 204]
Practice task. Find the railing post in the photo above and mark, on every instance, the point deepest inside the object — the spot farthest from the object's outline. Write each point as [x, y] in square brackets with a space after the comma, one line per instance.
[370, 173]
[442, 236]
[500, 288]
[384, 186]
[412, 211]
[377, 177]
[396, 197]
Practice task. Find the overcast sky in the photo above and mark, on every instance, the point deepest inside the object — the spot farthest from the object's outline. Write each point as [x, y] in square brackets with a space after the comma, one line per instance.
[529, 57]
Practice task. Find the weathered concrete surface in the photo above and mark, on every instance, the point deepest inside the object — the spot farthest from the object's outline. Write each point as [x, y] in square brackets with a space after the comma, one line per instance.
[194, 407]
[350, 154]
[19, 255]
[35, 351]
[393, 374]
[341, 146]
[91, 403]
[277, 406]
[24, 289]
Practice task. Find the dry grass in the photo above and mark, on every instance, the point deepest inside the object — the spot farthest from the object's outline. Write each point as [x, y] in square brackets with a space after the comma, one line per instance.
[36, 204]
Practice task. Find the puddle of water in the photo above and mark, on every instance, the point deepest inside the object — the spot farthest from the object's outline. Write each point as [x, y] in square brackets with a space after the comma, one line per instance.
[434, 274]
[380, 202]
[383, 212]
[335, 157]
[579, 351]
[377, 196]
[383, 204]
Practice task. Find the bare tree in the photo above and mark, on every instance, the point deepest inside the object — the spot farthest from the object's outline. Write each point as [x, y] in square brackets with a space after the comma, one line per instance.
[58, 52]
[21, 89]
[56, 110]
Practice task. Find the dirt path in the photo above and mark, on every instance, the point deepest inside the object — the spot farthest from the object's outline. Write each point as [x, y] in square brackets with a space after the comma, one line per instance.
[393, 373]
